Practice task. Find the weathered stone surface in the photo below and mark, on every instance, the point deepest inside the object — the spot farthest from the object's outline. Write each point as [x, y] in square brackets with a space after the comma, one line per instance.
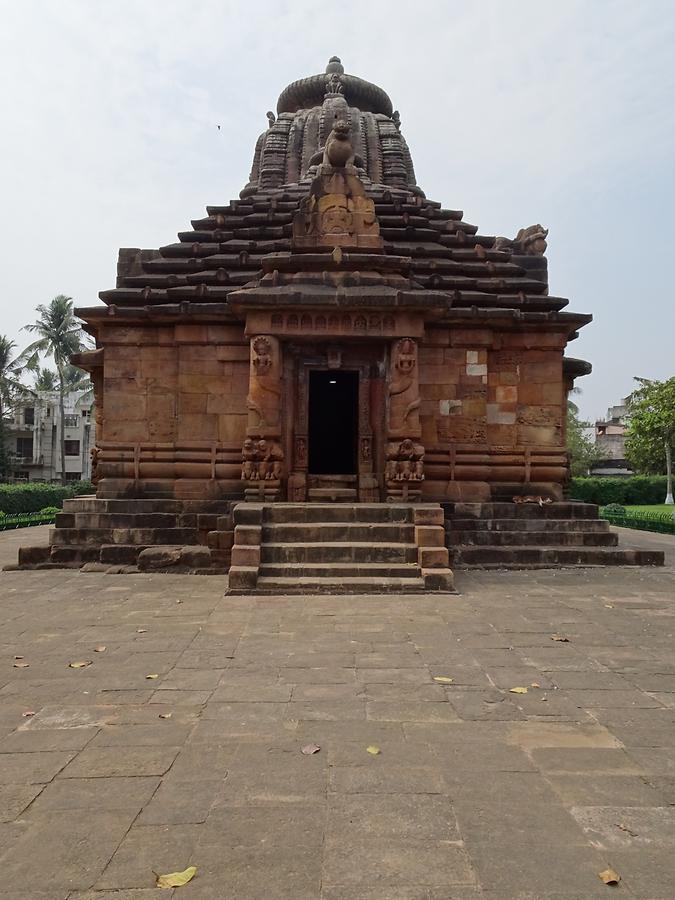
[471, 790]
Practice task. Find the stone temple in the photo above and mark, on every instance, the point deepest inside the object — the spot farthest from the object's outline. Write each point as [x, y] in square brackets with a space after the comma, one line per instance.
[332, 379]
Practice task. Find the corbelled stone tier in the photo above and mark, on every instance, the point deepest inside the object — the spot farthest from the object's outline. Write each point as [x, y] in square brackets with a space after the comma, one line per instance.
[467, 273]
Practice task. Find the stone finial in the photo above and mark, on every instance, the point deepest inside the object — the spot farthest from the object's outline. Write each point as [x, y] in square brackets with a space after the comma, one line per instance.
[271, 118]
[335, 66]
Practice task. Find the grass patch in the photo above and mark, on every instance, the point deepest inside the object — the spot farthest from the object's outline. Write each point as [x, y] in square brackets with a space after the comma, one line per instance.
[658, 508]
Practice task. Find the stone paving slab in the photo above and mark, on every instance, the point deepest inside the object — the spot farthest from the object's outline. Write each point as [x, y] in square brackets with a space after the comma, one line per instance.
[477, 792]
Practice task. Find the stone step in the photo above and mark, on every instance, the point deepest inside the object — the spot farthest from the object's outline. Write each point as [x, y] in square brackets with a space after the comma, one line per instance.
[340, 570]
[337, 494]
[74, 555]
[98, 505]
[338, 531]
[551, 557]
[115, 520]
[145, 536]
[359, 513]
[123, 554]
[562, 510]
[338, 551]
[532, 538]
[528, 525]
[331, 585]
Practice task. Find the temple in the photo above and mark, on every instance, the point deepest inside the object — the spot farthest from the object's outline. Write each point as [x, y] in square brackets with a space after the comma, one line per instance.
[331, 337]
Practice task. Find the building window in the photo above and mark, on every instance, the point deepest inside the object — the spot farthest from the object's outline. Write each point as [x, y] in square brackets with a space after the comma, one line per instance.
[24, 447]
[29, 415]
[73, 476]
[72, 448]
[71, 421]
[49, 411]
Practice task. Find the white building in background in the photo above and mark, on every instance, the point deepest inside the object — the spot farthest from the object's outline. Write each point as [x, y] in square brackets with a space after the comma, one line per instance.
[33, 437]
[610, 437]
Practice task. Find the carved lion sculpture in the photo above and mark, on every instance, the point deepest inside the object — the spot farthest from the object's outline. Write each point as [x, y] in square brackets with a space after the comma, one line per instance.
[531, 241]
[338, 152]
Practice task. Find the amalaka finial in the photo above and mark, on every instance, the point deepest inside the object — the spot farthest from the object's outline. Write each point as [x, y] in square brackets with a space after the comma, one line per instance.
[335, 65]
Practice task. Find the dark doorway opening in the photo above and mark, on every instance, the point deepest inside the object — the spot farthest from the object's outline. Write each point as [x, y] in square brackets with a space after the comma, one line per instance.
[333, 422]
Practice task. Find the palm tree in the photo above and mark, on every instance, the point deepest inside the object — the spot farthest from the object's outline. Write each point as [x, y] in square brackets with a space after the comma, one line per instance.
[59, 336]
[46, 380]
[12, 367]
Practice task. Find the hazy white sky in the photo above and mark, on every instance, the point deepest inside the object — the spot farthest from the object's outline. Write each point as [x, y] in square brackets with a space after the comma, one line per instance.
[516, 112]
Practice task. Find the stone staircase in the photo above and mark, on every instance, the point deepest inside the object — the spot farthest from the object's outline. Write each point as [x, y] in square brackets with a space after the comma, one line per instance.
[529, 536]
[155, 535]
[298, 548]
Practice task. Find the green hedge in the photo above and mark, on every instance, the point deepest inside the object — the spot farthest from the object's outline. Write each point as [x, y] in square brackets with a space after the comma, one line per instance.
[24, 520]
[29, 498]
[637, 490]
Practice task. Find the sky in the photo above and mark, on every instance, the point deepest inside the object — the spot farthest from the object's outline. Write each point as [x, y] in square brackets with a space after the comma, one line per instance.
[515, 112]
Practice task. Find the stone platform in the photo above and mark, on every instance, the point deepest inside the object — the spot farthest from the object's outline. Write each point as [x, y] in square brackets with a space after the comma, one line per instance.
[477, 792]
[536, 536]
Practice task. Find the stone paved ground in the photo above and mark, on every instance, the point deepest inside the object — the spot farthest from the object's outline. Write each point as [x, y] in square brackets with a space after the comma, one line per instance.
[477, 792]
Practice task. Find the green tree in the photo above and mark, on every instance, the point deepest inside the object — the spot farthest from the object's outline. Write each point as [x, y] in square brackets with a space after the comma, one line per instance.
[59, 336]
[12, 389]
[582, 450]
[650, 443]
[46, 380]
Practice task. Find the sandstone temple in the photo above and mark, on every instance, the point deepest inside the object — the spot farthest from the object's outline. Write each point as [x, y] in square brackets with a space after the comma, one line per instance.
[332, 378]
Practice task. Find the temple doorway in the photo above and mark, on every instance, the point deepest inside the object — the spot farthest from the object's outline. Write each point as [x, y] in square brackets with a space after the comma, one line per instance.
[333, 422]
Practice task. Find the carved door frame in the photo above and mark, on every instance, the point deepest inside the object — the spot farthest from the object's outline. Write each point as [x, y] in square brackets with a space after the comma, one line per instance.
[299, 361]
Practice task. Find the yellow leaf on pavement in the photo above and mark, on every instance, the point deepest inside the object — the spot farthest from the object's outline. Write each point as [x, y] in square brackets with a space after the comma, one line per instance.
[443, 679]
[100, 648]
[609, 876]
[165, 715]
[518, 690]
[373, 750]
[79, 664]
[560, 638]
[153, 676]
[20, 664]
[175, 879]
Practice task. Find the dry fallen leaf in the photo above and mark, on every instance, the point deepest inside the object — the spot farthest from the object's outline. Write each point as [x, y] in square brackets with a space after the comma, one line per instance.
[165, 715]
[175, 879]
[79, 664]
[535, 684]
[310, 749]
[19, 664]
[626, 829]
[518, 690]
[28, 713]
[153, 676]
[609, 606]
[141, 630]
[18, 657]
[443, 679]
[560, 638]
[99, 649]
[373, 750]
[609, 876]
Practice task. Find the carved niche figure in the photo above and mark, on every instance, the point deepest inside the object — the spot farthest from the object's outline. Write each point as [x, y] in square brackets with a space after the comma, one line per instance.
[249, 466]
[404, 398]
[405, 461]
[271, 118]
[95, 452]
[261, 460]
[530, 241]
[264, 396]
